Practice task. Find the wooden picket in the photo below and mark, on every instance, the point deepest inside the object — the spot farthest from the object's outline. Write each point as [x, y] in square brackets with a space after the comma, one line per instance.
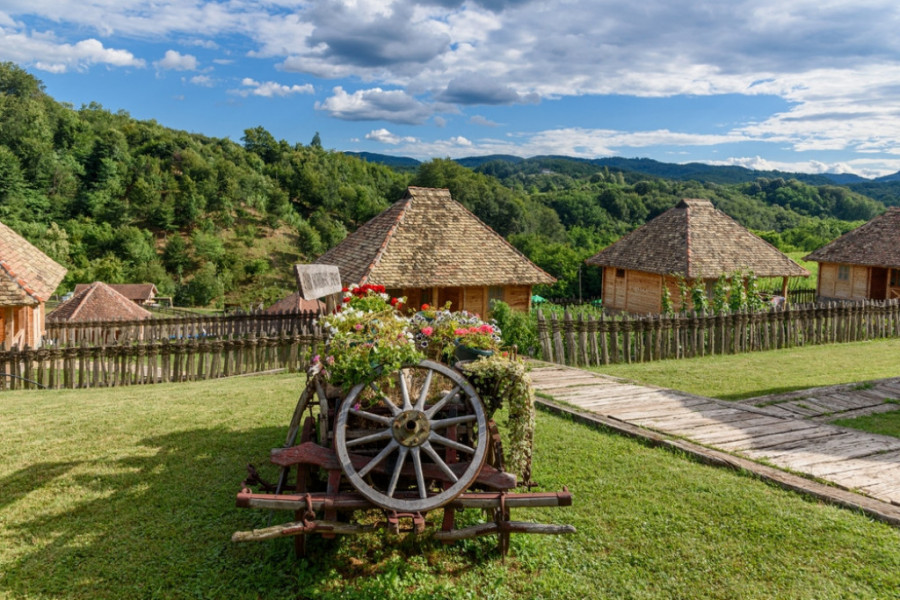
[629, 338]
[166, 360]
[96, 333]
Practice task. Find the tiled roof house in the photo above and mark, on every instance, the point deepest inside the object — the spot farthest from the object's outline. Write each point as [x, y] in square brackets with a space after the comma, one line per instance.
[28, 278]
[295, 303]
[431, 249]
[693, 240]
[139, 293]
[98, 302]
[863, 263]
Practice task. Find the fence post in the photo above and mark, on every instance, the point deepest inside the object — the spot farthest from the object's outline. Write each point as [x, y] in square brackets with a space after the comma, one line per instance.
[544, 337]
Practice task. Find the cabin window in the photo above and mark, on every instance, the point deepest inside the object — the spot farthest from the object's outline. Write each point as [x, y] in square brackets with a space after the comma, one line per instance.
[394, 292]
[844, 272]
[620, 273]
[426, 297]
[495, 292]
[895, 277]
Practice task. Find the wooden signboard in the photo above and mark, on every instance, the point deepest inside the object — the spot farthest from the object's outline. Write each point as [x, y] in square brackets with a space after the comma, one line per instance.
[316, 281]
[319, 281]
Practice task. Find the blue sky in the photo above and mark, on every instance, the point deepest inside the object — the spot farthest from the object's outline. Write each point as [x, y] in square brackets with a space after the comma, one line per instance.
[810, 86]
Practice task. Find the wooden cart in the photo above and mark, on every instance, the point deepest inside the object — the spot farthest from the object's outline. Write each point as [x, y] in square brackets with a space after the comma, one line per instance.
[417, 440]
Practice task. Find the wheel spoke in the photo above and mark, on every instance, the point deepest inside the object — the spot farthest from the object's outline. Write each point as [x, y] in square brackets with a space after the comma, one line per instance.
[378, 458]
[434, 437]
[377, 418]
[447, 397]
[398, 466]
[420, 476]
[381, 435]
[423, 394]
[441, 423]
[404, 389]
[439, 462]
[395, 410]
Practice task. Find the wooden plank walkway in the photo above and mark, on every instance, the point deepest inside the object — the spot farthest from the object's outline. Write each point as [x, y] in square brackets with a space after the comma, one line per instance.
[845, 401]
[786, 438]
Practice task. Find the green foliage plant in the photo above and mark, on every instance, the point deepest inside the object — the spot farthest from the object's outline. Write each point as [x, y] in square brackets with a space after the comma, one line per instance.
[666, 301]
[720, 295]
[737, 300]
[519, 328]
[699, 299]
[502, 379]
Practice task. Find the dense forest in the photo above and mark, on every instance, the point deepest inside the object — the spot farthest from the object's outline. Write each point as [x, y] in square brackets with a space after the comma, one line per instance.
[213, 221]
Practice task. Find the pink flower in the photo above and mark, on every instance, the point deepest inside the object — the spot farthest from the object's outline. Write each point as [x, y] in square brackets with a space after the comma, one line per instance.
[315, 358]
[330, 360]
[356, 406]
[486, 329]
[358, 326]
[460, 331]
[427, 330]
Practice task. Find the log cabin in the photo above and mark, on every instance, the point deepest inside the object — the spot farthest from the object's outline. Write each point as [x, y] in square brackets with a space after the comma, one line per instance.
[28, 278]
[863, 263]
[430, 249]
[693, 241]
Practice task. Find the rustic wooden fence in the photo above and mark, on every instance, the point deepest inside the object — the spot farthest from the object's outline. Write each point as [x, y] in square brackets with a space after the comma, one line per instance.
[177, 328]
[605, 340]
[160, 361]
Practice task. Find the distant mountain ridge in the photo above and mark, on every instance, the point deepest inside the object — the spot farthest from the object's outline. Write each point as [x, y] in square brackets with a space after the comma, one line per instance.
[683, 172]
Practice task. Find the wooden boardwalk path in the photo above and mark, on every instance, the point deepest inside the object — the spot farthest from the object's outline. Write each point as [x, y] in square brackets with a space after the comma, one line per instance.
[852, 460]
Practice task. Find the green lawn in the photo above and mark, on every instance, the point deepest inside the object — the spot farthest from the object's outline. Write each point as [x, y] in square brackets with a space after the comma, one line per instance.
[129, 493]
[884, 423]
[739, 376]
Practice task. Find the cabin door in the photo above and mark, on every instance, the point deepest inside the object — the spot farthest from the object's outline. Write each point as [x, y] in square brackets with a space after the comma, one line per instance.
[878, 283]
[894, 284]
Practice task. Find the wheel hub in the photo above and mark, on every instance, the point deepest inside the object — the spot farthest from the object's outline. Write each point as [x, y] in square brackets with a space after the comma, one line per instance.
[411, 428]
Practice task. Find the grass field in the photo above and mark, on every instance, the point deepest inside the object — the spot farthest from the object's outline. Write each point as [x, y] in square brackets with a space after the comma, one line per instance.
[739, 376]
[129, 493]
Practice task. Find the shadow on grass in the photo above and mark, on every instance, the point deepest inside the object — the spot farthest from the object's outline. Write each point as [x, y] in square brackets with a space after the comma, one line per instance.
[765, 392]
[33, 477]
[158, 523]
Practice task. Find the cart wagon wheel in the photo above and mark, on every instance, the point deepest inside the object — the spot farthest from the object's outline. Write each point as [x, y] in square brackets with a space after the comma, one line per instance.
[395, 450]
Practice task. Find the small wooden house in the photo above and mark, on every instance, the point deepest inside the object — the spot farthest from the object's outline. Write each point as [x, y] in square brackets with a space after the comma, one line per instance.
[863, 263]
[139, 293]
[693, 241]
[98, 302]
[28, 278]
[295, 303]
[431, 249]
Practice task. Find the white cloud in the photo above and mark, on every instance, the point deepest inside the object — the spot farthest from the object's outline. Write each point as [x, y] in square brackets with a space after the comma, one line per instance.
[374, 104]
[268, 89]
[384, 136]
[175, 61]
[46, 53]
[483, 121]
[202, 80]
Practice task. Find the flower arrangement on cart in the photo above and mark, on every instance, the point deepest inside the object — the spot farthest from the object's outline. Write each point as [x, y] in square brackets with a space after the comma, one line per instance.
[397, 416]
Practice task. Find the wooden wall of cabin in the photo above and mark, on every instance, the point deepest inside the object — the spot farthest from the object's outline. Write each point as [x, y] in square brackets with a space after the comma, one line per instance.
[475, 299]
[632, 291]
[843, 282]
[21, 326]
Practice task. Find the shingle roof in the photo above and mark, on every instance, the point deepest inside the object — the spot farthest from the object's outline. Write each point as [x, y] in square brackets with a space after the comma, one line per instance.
[427, 239]
[98, 302]
[295, 303]
[874, 244]
[27, 275]
[695, 240]
[133, 291]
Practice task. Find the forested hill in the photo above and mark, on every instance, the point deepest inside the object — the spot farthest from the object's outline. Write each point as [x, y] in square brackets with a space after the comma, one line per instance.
[212, 220]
